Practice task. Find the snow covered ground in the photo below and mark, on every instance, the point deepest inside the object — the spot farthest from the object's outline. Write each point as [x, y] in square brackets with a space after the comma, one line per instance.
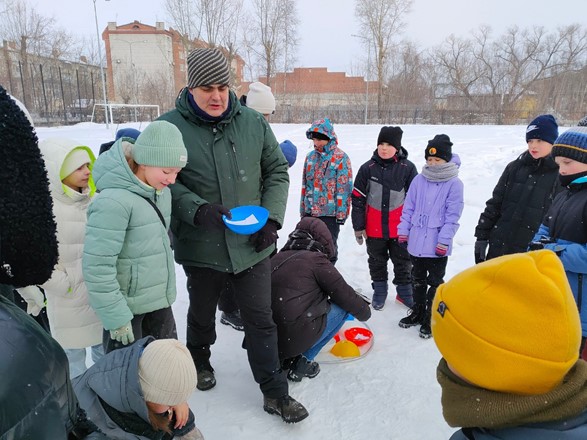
[392, 392]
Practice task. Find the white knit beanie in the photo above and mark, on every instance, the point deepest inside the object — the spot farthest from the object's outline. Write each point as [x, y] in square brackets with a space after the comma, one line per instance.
[75, 159]
[260, 98]
[166, 372]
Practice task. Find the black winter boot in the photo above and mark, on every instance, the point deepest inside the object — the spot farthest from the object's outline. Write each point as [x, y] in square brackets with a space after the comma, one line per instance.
[290, 410]
[415, 317]
[206, 379]
[379, 294]
[233, 319]
[302, 367]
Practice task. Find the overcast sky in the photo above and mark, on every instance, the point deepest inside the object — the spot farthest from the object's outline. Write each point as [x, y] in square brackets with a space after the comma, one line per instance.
[326, 26]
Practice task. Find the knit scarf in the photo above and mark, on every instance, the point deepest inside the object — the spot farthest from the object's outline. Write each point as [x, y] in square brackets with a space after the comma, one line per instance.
[440, 173]
[205, 116]
[465, 405]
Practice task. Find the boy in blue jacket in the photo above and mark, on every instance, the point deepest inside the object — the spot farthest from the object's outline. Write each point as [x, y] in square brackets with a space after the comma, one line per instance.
[564, 229]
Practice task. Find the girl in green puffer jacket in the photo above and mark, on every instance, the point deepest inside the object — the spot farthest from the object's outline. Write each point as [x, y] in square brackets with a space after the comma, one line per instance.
[127, 262]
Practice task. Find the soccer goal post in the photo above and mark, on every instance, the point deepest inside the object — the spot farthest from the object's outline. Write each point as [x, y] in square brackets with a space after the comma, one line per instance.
[120, 113]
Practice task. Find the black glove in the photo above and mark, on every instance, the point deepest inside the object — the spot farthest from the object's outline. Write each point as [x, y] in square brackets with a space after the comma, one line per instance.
[265, 237]
[209, 216]
[83, 427]
[481, 251]
[535, 246]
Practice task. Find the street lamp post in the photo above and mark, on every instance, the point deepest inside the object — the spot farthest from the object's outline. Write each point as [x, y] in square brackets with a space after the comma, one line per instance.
[366, 75]
[101, 66]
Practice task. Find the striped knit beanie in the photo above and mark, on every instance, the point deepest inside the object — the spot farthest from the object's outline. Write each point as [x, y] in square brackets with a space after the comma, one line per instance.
[207, 67]
[572, 144]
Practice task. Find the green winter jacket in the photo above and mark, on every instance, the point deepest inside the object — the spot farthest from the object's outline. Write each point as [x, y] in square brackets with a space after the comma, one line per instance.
[234, 162]
[127, 262]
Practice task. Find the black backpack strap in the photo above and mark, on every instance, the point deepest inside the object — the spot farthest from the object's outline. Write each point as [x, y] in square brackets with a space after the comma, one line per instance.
[150, 202]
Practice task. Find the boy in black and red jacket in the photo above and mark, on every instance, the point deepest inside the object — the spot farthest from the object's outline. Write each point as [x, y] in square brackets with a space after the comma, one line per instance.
[377, 201]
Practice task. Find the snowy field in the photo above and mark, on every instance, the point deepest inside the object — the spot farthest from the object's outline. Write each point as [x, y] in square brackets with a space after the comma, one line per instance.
[392, 392]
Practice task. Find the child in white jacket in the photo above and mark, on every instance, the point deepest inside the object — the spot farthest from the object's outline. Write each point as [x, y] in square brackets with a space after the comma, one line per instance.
[72, 320]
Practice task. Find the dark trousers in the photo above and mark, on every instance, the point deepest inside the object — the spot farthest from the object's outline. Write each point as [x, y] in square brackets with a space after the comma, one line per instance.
[428, 271]
[380, 251]
[227, 300]
[252, 291]
[334, 229]
[160, 324]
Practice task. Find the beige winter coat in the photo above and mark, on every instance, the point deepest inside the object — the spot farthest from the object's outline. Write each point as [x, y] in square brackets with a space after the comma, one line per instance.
[73, 322]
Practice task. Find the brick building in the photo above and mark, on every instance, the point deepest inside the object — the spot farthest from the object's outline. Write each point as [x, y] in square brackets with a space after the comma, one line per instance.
[311, 92]
[147, 64]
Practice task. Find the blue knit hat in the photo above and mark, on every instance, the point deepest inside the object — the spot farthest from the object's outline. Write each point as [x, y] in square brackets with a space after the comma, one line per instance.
[572, 144]
[290, 151]
[128, 132]
[543, 127]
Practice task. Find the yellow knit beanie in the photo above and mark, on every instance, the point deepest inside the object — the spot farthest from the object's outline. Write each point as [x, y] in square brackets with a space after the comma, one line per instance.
[510, 324]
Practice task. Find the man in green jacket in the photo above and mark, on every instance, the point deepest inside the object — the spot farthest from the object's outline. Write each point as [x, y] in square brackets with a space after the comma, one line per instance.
[233, 160]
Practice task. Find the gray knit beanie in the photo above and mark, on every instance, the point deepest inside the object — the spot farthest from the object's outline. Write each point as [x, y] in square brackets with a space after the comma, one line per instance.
[160, 145]
[206, 67]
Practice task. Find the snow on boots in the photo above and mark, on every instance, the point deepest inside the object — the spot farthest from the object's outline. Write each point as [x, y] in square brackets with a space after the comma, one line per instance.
[290, 410]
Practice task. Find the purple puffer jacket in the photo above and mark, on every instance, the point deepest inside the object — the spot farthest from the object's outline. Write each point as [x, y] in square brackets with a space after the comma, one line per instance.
[431, 214]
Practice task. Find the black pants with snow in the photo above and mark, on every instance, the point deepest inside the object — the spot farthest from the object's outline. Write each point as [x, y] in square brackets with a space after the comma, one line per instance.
[252, 291]
[160, 324]
[380, 251]
[334, 228]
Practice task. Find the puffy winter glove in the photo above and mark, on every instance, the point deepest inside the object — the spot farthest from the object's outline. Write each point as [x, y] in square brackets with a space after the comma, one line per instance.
[209, 216]
[265, 237]
[360, 236]
[34, 298]
[441, 249]
[481, 251]
[124, 334]
[402, 241]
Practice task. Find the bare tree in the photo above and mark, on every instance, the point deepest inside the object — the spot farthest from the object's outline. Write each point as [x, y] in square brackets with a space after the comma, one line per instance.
[212, 21]
[182, 17]
[266, 43]
[495, 74]
[458, 65]
[408, 86]
[381, 21]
